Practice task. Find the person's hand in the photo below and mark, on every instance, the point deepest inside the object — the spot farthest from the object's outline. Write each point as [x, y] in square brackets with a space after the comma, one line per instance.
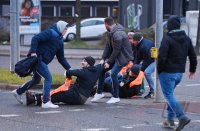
[106, 65]
[101, 62]
[33, 54]
[191, 75]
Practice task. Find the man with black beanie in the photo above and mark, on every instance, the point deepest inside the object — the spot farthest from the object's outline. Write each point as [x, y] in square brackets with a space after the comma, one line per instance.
[173, 52]
[80, 91]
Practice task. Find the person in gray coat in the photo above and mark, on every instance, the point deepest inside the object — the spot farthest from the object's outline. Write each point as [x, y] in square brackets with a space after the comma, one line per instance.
[117, 54]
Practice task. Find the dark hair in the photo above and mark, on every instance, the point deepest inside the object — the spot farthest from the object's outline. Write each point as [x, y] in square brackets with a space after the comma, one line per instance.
[24, 2]
[109, 21]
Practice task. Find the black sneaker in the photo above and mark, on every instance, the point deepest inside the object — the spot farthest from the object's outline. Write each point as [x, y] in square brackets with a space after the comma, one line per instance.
[169, 124]
[30, 98]
[182, 123]
[149, 95]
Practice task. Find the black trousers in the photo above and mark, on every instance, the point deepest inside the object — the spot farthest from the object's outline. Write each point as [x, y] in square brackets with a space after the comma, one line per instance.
[71, 97]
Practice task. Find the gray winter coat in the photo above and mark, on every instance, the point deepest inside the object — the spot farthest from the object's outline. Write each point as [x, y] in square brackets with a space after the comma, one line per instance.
[118, 49]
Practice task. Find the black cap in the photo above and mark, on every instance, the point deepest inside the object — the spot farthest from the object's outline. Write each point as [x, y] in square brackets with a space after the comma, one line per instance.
[90, 60]
[137, 36]
[173, 23]
[135, 69]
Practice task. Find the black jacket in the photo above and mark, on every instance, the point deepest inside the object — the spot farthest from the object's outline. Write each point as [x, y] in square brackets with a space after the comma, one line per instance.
[86, 78]
[118, 49]
[173, 52]
[142, 53]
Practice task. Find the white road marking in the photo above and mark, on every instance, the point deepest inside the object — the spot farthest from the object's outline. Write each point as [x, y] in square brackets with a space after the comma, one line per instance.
[151, 124]
[48, 112]
[10, 115]
[77, 110]
[95, 129]
[193, 85]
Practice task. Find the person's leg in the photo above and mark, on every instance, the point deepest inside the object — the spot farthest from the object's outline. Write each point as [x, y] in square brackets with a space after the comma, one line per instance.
[35, 80]
[45, 73]
[68, 97]
[148, 75]
[168, 82]
[115, 82]
[18, 92]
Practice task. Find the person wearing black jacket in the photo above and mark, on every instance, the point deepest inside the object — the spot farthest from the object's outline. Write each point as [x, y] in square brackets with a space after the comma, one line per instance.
[45, 45]
[142, 55]
[117, 54]
[80, 91]
[173, 52]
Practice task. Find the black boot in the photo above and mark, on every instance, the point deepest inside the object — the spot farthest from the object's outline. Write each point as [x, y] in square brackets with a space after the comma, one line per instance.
[30, 98]
[38, 99]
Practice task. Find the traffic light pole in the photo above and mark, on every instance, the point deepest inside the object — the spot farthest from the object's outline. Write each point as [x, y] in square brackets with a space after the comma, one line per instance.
[14, 34]
[158, 38]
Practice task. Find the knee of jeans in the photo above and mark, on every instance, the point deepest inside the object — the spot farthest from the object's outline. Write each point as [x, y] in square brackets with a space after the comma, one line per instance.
[49, 79]
[37, 80]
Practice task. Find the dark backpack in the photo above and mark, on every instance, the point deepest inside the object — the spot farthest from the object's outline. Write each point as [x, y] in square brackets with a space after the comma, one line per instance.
[26, 66]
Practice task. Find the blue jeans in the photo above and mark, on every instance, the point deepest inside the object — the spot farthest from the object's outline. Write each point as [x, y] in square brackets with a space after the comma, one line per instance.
[115, 83]
[148, 75]
[168, 82]
[41, 71]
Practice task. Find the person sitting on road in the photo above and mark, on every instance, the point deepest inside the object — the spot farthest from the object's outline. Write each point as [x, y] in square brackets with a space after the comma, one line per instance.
[128, 87]
[80, 91]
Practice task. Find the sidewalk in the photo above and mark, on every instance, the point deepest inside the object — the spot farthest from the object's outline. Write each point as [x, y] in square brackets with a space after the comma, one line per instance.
[69, 53]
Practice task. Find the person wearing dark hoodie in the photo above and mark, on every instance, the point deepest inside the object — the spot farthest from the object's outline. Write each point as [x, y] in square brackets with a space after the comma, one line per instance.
[45, 45]
[78, 92]
[175, 47]
[117, 53]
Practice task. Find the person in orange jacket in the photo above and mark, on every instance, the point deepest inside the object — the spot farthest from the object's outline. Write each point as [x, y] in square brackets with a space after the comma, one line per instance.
[77, 93]
[130, 78]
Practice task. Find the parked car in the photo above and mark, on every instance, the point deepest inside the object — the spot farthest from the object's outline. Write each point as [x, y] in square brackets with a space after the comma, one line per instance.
[90, 28]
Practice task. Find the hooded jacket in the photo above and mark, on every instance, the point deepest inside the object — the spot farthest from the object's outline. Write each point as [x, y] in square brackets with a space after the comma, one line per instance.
[174, 49]
[48, 44]
[118, 49]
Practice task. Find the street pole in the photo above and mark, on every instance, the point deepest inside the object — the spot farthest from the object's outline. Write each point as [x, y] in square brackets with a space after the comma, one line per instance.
[14, 34]
[78, 16]
[198, 32]
[158, 38]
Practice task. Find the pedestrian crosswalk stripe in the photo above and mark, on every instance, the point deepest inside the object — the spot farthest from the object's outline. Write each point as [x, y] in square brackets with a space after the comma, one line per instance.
[10, 115]
[48, 112]
[95, 129]
[77, 110]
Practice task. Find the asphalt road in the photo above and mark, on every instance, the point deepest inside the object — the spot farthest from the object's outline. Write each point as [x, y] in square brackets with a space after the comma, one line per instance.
[124, 116]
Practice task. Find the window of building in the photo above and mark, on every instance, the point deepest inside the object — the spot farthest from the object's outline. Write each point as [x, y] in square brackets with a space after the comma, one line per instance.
[102, 11]
[48, 11]
[86, 11]
[5, 10]
[115, 11]
[66, 11]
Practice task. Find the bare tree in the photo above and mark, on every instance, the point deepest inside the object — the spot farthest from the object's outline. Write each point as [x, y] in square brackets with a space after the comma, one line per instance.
[78, 18]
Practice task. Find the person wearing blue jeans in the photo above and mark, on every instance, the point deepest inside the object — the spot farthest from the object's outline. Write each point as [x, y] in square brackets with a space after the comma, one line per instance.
[148, 75]
[175, 47]
[117, 53]
[142, 55]
[114, 80]
[45, 45]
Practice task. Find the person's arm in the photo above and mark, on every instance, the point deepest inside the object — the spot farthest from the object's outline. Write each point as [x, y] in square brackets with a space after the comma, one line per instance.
[76, 72]
[42, 37]
[117, 43]
[192, 58]
[61, 58]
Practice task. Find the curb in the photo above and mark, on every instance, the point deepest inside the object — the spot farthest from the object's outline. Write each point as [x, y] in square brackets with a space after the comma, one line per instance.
[7, 86]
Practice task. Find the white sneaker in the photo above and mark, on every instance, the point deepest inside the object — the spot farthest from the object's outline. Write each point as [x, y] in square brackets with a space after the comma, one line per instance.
[49, 104]
[17, 96]
[97, 97]
[113, 100]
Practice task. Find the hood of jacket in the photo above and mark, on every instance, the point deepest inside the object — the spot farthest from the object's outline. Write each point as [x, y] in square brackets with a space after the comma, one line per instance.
[117, 27]
[54, 27]
[173, 23]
